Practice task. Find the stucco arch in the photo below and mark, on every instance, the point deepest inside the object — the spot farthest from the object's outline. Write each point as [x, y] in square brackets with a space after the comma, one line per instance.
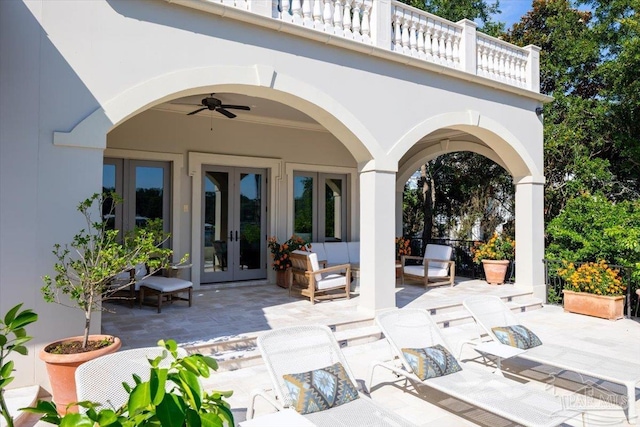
[507, 150]
[408, 168]
[257, 80]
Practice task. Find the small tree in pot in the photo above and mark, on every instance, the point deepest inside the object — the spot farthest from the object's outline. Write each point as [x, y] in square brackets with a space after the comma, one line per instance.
[84, 277]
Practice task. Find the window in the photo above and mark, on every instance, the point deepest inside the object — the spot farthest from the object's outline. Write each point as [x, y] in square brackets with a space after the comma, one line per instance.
[320, 206]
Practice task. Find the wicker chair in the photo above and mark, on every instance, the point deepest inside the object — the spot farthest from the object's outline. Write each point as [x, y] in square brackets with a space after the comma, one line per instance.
[315, 282]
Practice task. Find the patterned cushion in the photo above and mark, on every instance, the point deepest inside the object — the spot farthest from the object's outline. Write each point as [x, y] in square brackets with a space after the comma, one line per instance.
[431, 362]
[320, 389]
[516, 336]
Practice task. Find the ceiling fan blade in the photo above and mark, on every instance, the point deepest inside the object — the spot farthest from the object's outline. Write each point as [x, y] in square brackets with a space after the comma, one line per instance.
[225, 112]
[236, 107]
[197, 111]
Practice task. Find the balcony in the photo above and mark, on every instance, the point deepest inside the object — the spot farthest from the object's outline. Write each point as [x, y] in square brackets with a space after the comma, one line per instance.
[395, 31]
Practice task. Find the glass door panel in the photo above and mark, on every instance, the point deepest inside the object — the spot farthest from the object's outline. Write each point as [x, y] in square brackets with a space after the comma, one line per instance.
[304, 206]
[234, 224]
[333, 210]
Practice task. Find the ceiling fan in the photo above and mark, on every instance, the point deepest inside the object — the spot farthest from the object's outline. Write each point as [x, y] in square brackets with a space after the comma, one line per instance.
[214, 104]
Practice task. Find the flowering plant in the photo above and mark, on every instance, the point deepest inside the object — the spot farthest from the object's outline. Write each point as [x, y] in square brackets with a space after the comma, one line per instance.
[592, 277]
[497, 248]
[280, 252]
[402, 247]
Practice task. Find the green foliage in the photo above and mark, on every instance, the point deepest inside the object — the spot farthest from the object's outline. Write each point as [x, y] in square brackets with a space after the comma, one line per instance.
[553, 297]
[498, 247]
[13, 338]
[86, 267]
[593, 228]
[186, 404]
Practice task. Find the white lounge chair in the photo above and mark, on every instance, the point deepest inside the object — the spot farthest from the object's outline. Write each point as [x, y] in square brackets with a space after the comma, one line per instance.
[300, 349]
[100, 380]
[437, 268]
[491, 311]
[414, 329]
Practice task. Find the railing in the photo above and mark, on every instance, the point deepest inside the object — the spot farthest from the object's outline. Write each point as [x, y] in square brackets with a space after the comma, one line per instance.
[554, 284]
[395, 27]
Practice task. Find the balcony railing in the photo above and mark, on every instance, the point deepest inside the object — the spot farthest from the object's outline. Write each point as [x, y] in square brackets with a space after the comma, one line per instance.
[394, 27]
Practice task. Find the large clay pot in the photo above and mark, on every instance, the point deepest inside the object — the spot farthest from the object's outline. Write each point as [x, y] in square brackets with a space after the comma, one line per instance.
[62, 369]
[495, 270]
[282, 278]
[606, 307]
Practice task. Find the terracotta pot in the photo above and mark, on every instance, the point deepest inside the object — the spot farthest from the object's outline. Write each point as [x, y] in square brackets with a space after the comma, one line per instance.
[495, 270]
[282, 278]
[606, 307]
[62, 369]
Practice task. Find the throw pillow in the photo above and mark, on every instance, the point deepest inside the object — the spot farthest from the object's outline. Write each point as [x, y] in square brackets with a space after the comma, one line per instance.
[431, 362]
[516, 336]
[320, 389]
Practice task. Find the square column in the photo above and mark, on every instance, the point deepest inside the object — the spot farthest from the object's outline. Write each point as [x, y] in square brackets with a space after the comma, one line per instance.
[377, 241]
[530, 235]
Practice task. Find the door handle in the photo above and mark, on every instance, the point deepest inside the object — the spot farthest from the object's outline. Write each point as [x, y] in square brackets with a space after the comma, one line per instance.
[236, 235]
[231, 236]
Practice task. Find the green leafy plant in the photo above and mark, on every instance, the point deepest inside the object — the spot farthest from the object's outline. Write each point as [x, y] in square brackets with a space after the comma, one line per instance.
[281, 252]
[171, 397]
[13, 338]
[86, 267]
[498, 247]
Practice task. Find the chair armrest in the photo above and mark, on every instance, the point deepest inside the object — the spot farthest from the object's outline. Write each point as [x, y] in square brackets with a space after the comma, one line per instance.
[259, 392]
[405, 257]
[438, 260]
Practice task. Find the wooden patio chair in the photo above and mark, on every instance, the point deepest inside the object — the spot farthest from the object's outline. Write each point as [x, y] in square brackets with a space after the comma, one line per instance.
[318, 283]
[436, 267]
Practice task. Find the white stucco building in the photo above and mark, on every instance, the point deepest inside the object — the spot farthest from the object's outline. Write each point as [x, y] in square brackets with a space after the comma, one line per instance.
[346, 97]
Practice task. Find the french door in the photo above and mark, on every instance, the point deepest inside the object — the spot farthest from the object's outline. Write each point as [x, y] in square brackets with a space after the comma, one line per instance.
[233, 224]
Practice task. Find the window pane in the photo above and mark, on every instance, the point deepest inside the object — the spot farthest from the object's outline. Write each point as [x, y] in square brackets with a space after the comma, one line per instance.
[303, 206]
[333, 210]
[149, 189]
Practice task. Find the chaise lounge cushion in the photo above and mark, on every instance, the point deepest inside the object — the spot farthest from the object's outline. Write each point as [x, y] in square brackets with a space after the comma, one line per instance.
[418, 270]
[320, 389]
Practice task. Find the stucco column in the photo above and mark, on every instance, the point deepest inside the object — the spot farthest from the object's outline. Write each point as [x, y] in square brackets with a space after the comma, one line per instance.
[377, 246]
[530, 235]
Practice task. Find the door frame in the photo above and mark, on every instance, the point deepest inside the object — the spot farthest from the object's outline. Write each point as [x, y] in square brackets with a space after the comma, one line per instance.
[195, 161]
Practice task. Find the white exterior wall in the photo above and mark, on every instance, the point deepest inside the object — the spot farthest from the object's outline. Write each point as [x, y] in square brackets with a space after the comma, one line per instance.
[79, 69]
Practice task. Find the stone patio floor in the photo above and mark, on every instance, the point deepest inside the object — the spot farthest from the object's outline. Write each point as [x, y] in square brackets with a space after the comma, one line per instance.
[224, 313]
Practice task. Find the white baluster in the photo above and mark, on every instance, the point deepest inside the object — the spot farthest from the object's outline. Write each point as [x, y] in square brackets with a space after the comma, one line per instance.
[366, 22]
[456, 49]
[479, 60]
[346, 19]
[512, 69]
[306, 13]
[427, 40]
[413, 36]
[490, 67]
[448, 50]
[503, 64]
[355, 20]
[397, 31]
[422, 23]
[296, 11]
[275, 13]
[326, 17]
[337, 17]
[406, 18]
[442, 44]
[317, 14]
[485, 60]
[284, 5]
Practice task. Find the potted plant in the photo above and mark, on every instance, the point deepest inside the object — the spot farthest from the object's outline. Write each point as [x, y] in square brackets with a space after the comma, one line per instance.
[403, 247]
[280, 254]
[495, 256]
[84, 277]
[172, 396]
[13, 338]
[594, 289]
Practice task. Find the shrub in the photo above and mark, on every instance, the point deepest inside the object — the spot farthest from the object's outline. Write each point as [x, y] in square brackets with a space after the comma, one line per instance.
[592, 277]
[497, 248]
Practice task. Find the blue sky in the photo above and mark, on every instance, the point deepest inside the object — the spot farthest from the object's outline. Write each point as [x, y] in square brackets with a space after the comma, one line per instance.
[512, 11]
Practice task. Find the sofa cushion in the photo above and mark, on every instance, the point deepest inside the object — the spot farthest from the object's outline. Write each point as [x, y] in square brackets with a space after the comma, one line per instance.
[438, 252]
[418, 270]
[164, 284]
[354, 252]
[315, 265]
[331, 281]
[337, 253]
[318, 248]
